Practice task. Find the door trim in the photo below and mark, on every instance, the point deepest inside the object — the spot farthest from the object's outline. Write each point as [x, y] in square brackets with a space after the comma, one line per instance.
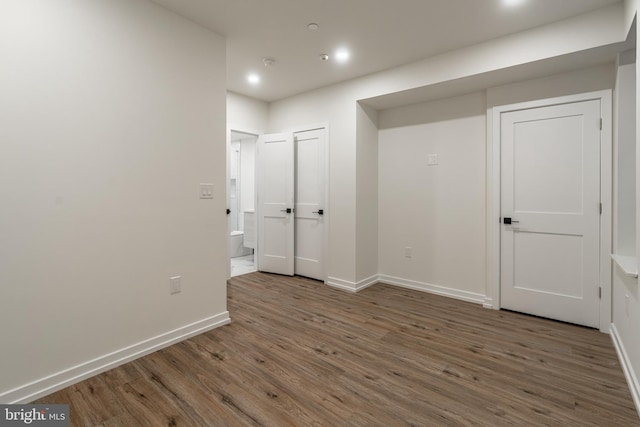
[494, 191]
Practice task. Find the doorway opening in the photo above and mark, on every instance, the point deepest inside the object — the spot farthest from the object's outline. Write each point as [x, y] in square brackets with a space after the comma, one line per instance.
[242, 196]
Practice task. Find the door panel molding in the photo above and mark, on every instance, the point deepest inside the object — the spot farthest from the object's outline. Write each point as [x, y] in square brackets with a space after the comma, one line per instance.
[492, 299]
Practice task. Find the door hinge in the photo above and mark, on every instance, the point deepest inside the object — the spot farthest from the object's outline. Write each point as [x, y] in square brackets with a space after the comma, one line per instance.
[600, 208]
[600, 292]
[600, 124]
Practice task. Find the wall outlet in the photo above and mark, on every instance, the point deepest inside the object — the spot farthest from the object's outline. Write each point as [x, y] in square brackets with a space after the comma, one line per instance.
[408, 252]
[432, 159]
[175, 285]
[206, 191]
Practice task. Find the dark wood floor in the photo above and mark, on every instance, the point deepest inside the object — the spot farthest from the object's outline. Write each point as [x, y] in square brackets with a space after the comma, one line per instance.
[299, 353]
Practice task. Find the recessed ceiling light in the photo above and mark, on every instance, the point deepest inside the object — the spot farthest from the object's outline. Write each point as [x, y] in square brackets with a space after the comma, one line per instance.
[512, 3]
[313, 26]
[342, 55]
[324, 57]
[253, 78]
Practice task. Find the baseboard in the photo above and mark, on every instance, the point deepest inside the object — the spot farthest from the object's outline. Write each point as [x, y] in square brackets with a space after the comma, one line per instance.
[352, 286]
[488, 303]
[434, 289]
[45, 386]
[627, 368]
[410, 284]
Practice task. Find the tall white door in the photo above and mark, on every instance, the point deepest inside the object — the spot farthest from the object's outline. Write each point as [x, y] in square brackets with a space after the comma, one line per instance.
[310, 199]
[550, 172]
[275, 183]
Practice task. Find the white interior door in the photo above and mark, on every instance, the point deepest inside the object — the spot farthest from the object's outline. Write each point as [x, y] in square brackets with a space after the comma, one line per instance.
[310, 203]
[275, 179]
[550, 172]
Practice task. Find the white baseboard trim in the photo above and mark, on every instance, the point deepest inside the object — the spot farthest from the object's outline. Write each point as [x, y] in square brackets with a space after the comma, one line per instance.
[627, 368]
[52, 383]
[434, 289]
[352, 286]
[488, 304]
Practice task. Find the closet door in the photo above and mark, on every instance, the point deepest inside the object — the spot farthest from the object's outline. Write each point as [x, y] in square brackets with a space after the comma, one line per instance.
[275, 185]
[310, 210]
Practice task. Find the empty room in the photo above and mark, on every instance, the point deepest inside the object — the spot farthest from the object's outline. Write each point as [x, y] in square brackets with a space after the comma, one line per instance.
[297, 212]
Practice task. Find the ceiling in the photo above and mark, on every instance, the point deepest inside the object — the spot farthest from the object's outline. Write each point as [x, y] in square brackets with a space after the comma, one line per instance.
[380, 34]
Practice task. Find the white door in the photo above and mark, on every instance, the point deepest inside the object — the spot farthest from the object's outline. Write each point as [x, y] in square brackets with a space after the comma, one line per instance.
[310, 203]
[550, 170]
[275, 182]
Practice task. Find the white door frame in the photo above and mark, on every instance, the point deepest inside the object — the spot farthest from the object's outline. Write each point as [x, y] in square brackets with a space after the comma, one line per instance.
[327, 220]
[494, 191]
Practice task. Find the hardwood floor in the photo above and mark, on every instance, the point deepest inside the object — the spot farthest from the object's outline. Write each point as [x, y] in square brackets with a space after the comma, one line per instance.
[299, 353]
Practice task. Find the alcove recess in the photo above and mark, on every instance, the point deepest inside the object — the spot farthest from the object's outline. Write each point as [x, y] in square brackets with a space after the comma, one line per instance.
[625, 157]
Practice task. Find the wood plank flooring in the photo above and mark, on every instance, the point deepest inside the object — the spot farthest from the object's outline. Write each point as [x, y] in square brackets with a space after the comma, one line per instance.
[299, 353]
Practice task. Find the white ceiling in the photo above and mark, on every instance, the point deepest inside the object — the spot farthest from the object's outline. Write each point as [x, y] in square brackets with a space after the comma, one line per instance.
[381, 34]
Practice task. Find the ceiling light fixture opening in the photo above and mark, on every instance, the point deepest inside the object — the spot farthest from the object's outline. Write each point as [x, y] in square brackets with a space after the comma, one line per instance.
[313, 26]
[342, 55]
[513, 3]
[324, 57]
[253, 78]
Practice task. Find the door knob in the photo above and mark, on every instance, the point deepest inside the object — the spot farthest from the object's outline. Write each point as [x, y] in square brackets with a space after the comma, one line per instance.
[228, 211]
[509, 221]
[319, 212]
[288, 210]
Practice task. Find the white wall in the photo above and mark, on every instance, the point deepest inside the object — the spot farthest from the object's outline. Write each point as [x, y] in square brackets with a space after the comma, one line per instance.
[438, 211]
[247, 113]
[366, 195]
[337, 105]
[600, 77]
[625, 156]
[112, 112]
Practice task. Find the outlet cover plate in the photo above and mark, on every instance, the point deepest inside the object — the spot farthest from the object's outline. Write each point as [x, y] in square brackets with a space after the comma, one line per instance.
[175, 285]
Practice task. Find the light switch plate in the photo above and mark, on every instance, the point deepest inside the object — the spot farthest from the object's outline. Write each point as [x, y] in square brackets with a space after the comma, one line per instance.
[175, 285]
[206, 191]
[432, 159]
[408, 252]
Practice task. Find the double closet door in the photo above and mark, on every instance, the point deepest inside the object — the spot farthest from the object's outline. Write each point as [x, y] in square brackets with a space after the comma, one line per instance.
[291, 194]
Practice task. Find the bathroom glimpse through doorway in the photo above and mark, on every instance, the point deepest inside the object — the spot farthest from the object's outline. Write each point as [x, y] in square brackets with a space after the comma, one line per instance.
[241, 202]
